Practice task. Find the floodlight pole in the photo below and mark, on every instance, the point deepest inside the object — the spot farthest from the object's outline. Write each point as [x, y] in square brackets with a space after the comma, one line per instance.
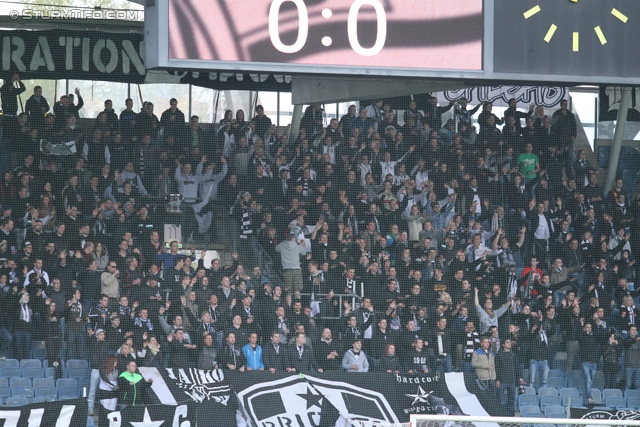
[621, 121]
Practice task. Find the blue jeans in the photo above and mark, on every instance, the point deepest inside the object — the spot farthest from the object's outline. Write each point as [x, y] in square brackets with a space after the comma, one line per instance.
[534, 365]
[507, 394]
[23, 344]
[76, 344]
[632, 378]
[95, 381]
[5, 342]
[446, 364]
[589, 369]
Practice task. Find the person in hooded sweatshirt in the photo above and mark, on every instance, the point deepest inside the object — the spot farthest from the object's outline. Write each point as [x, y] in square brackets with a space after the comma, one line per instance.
[354, 360]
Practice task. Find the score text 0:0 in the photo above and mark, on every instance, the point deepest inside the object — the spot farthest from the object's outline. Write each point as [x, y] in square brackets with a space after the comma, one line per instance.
[352, 27]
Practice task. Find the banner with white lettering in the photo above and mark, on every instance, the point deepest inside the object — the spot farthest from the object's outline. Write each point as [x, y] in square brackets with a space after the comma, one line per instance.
[207, 390]
[150, 416]
[64, 413]
[499, 96]
[605, 414]
[116, 57]
[331, 398]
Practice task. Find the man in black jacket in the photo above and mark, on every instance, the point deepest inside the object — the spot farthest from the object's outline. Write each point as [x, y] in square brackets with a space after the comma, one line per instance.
[274, 353]
[327, 352]
[9, 93]
[300, 358]
[507, 375]
[590, 345]
[99, 352]
[232, 357]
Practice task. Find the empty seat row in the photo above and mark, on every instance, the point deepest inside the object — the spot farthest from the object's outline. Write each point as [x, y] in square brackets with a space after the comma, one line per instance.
[46, 392]
[37, 363]
[27, 372]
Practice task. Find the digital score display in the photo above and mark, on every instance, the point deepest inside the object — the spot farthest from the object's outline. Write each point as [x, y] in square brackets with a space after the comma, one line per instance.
[345, 34]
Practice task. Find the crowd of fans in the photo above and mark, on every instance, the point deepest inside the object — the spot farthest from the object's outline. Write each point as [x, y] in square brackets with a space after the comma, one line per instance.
[416, 248]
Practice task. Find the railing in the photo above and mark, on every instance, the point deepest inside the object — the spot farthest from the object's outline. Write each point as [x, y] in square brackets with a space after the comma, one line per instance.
[271, 271]
[353, 298]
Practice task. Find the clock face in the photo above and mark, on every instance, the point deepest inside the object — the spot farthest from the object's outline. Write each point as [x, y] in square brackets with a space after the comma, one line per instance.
[575, 37]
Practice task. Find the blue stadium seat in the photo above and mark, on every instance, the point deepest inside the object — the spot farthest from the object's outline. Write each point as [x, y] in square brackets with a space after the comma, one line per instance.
[66, 393]
[527, 399]
[571, 401]
[49, 392]
[30, 363]
[596, 395]
[554, 411]
[50, 373]
[633, 402]
[38, 353]
[9, 363]
[67, 382]
[598, 380]
[547, 391]
[76, 364]
[529, 410]
[556, 373]
[20, 382]
[5, 391]
[4, 382]
[84, 382]
[578, 383]
[10, 372]
[556, 382]
[22, 391]
[32, 373]
[43, 382]
[575, 373]
[631, 393]
[616, 402]
[611, 392]
[12, 402]
[569, 391]
[549, 401]
[78, 373]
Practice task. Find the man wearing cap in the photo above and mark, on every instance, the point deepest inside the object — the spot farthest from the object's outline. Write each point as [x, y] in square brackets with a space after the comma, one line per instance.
[290, 252]
[99, 352]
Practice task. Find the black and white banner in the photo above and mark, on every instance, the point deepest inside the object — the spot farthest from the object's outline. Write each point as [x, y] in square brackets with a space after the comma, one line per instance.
[499, 96]
[66, 413]
[150, 416]
[332, 399]
[115, 57]
[600, 414]
[183, 395]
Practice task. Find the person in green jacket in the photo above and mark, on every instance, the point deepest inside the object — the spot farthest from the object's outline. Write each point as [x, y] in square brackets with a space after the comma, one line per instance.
[132, 386]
